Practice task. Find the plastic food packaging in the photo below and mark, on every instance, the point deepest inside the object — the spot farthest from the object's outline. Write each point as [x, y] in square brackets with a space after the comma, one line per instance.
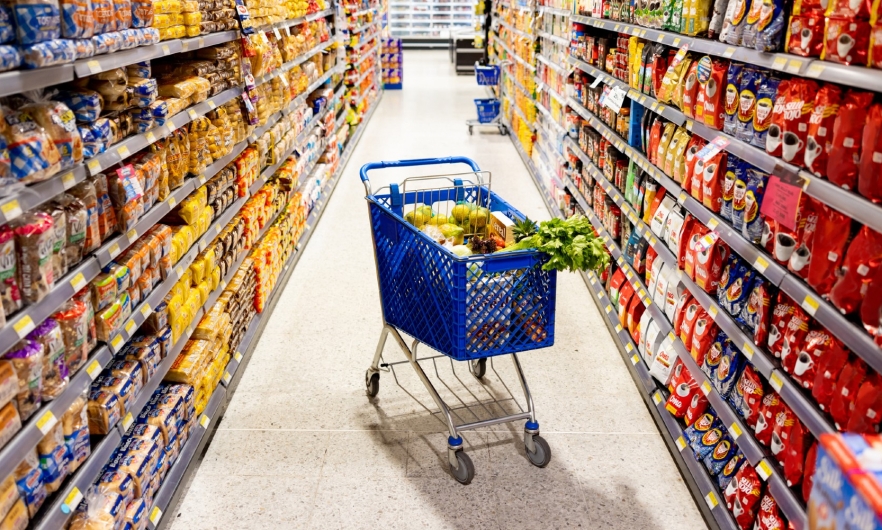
[74, 321]
[36, 20]
[29, 481]
[34, 236]
[10, 293]
[54, 375]
[59, 237]
[54, 460]
[86, 193]
[33, 156]
[98, 514]
[75, 427]
[27, 359]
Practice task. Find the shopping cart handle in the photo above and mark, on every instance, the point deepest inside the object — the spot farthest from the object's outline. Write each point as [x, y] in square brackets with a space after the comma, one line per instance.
[415, 162]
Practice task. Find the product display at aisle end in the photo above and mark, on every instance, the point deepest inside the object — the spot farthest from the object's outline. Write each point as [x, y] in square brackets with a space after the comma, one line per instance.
[155, 199]
[737, 192]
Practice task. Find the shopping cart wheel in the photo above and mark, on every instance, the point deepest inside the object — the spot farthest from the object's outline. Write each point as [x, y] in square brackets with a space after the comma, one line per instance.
[542, 456]
[466, 470]
[470, 130]
[479, 367]
[372, 381]
[503, 130]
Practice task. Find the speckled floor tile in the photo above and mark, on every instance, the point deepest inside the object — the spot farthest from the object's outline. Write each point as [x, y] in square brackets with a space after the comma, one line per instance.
[346, 502]
[265, 452]
[366, 454]
[445, 504]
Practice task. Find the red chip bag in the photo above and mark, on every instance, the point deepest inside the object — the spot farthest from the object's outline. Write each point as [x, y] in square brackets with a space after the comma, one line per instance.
[795, 447]
[711, 174]
[809, 357]
[765, 421]
[870, 174]
[805, 35]
[711, 253]
[828, 248]
[680, 311]
[750, 390]
[692, 148]
[686, 232]
[682, 393]
[875, 42]
[768, 517]
[809, 473]
[742, 496]
[703, 334]
[845, 391]
[797, 110]
[863, 261]
[690, 90]
[697, 406]
[848, 130]
[806, 222]
[711, 108]
[687, 324]
[871, 308]
[692, 248]
[616, 283]
[820, 129]
[784, 420]
[625, 294]
[776, 128]
[780, 318]
[794, 337]
[846, 41]
[867, 406]
[827, 370]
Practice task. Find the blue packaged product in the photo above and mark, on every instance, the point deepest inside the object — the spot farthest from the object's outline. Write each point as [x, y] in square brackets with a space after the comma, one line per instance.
[143, 431]
[142, 13]
[85, 48]
[36, 21]
[32, 490]
[139, 70]
[107, 42]
[54, 464]
[714, 355]
[49, 53]
[733, 87]
[762, 116]
[85, 104]
[173, 449]
[91, 145]
[149, 36]
[130, 38]
[704, 445]
[704, 423]
[752, 227]
[103, 131]
[730, 469]
[734, 285]
[770, 27]
[77, 20]
[729, 370]
[720, 455]
[734, 167]
[187, 395]
[31, 146]
[7, 27]
[136, 514]
[144, 92]
[10, 58]
[118, 481]
[77, 443]
[165, 340]
[758, 302]
[751, 81]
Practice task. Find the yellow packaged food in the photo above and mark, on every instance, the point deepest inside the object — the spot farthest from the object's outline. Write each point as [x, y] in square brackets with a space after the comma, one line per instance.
[190, 362]
[197, 271]
[215, 278]
[193, 31]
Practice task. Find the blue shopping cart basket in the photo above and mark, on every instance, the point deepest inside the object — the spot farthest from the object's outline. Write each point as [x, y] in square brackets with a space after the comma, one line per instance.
[487, 75]
[467, 308]
[488, 109]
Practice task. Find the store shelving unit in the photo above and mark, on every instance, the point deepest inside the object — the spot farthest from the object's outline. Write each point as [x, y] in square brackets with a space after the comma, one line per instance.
[431, 23]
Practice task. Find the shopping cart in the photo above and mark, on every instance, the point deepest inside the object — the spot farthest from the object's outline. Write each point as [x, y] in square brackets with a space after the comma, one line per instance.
[488, 108]
[467, 308]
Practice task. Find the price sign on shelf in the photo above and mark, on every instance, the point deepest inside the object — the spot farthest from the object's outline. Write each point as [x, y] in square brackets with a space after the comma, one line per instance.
[780, 201]
[614, 99]
[712, 148]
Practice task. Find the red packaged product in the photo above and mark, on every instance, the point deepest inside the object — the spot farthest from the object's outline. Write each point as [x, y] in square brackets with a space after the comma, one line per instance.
[848, 130]
[682, 395]
[680, 311]
[845, 391]
[625, 294]
[703, 334]
[783, 422]
[687, 233]
[690, 90]
[635, 311]
[849, 8]
[780, 318]
[765, 421]
[846, 41]
[776, 128]
[806, 222]
[797, 110]
[806, 35]
[690, 315]
[828, 248]
[829, 366]
[655, 134]
[759, 310]
[863, 261]
[710, 107]
[870, 174]
[679, 374]
[804, 7]
[712, 181]
[795, 447]
[871, 308]
[768, 517]
[783, 243]
[651, 254]
[867, 406]
[809, 357]
[794, 338]
[750, 388]
[820, 128]
[711, 254]
[696, 408]
[692, 148]
[742, 496]
[809, 473]
[616, 283]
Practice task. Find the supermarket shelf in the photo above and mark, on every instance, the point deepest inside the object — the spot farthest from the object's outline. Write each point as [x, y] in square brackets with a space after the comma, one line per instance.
[50, 413]
[212, 39]
[554, 11]
[56, 514]
[558, 128]
[18, 81]
[518, 84]
[855, 206]
[544, 60]
[516, 31]
[360, 13]
[364, 27]
[32, 196]
[531, 168]
[553, 93]
[118, 59]
[200, 434]
[363, 76]
[296, 21]
[364, 55]
[530, 125]
[855, 76]
[291, 64]
[554, 38]
[515, 56]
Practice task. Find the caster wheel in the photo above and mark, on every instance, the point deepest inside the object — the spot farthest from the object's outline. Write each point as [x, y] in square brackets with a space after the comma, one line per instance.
[479, 368]
[372, 382]
[466, 471]
[502, 131]
[542, 456]
[470, 130]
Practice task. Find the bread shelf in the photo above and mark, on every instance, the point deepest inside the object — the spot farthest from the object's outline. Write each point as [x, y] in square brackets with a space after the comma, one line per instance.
[122, 58]
[17, 81]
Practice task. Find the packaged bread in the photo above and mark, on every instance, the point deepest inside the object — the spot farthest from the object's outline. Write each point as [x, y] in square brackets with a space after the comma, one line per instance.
[146, 351]
[103, 411]
[109, 321]
[73, 317]
[55, 374]
[59, 237]
[144, 431]
[26, 358]
[86, 193]
[59, 123]
[10, 292]
[29, 482]
[37, 21]
[17, 517]
[33, 156]
[49, 53]
[54, 460]
[35, 238]
[9, 496]
[117, 481]
[77, 21]
[75, 427]
[10, 58]
[122, 386]
[137, 457]
[130, 369]
[85, 48]
[164, 336]
[91, 340]
[77, 217]
[10, 422]
[164, 418]
[137, 514]
[101, 509]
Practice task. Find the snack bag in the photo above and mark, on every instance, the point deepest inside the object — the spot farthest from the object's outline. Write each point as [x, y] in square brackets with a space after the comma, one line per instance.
[798, 108]
[845, 391]
[821, 127]
[870, 171]
[742, 496]
[828, 248]
[847, 40]
[862, 261]
[844, 155]
[805, 35]
[775, 130]
[733, 88]
[770, 26]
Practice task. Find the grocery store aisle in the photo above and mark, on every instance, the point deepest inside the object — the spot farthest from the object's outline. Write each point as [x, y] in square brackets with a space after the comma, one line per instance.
[301, 446]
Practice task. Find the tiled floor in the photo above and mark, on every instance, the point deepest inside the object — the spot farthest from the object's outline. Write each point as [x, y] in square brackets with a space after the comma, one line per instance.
[301, 446]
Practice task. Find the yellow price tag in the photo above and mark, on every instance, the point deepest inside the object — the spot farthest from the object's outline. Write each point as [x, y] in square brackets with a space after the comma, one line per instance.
[94, 166]
[93, 369]
[151, 138]
[619, 328]
[682, 198]
[656, 397]
[776, 381]
[779, 63]
[46, 421]
[192, 114]
[635, 359]
[94, 66]
[204, 421]
[11, 209]
[761, 264]
[764, 470]
[711, 500]
[794, 65]
[661, 37]
[681, 443]
[653, 241]
[68, 180]
[227, 378]
[155, 515]
[72, 500]
[730, 51]
[712, 223]
[211, 104]
[132, 235]
[78, 281]
[24, 326]
[713, 312]
[131, 327]
[146, 310]
[689, 124]
[238, 356]
[810, 304]
[180, 271]
[815, 69]
[676, 42]
[735, 431]
[128, 421]
[116, 343]
[608, 308]
[629, 347]
[123, 152]
[165, 49]
[113, 250]
[202, 179]
[172, 202]
[706, 387]
[747, 349]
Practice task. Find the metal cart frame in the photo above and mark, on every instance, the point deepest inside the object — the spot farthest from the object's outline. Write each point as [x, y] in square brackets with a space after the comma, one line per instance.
[497, 121]
[461, 467]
